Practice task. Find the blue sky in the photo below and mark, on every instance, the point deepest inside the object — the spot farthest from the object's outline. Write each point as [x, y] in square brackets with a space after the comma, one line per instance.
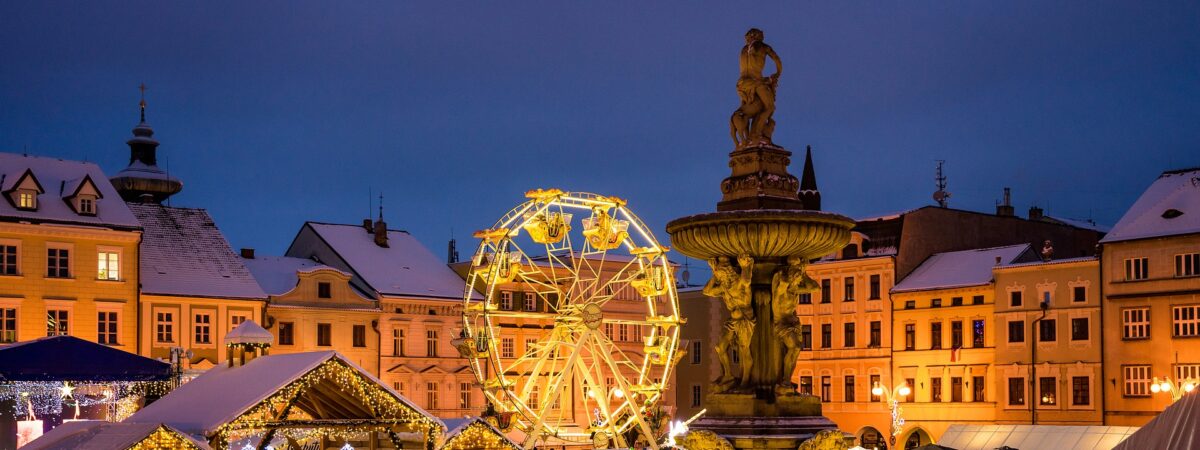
[273, 113]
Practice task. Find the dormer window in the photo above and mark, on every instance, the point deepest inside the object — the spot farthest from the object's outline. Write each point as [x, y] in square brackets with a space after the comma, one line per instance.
[87, 205]
[27, 199]
[82, 195]
[323, 290]
[23, 194]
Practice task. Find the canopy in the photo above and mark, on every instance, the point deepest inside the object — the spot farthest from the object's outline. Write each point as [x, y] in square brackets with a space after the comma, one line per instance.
[1034, 437]
[100, 435]
[1177, 427]
[68, 358]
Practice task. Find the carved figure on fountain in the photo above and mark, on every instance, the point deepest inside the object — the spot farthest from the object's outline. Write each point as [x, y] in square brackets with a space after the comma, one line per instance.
[733, 288]
[786, 286]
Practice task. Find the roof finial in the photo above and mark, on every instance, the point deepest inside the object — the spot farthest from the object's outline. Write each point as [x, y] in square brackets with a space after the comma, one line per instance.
[142, 104]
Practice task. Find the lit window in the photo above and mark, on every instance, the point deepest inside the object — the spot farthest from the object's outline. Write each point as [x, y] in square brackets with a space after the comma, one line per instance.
[57, 322]
[110, 266]
[1186, 373]
[1185, 320]
[1187, 265]
[1136, 268]
[1137, 381]
[26, 199]
[203, 327]
[1049, 391]
[106, 327]
[1135, 323]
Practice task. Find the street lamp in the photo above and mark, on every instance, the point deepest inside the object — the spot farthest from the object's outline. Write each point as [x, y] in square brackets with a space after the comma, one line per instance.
[892, 397]
[1166, 386]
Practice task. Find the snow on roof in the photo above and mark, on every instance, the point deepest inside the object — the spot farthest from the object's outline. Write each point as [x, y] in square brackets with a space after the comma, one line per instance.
[1170, 206]
[101, 435]
[1174, 428]
[278, 275]
[1086, 224]
[1051, 262]
[249, 333]
[54, 175]
[184, 253]
[959, 269]
[1034, 437]
[404, 268]
[221, 394]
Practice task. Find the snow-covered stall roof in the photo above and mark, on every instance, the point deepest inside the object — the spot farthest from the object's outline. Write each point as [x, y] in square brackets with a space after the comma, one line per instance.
[463, 428]
[222, 394]
[1176, 428]
[102, 435]
[249, 333]
[403, 268]
[1034, 437]
[961, 268]
[1170, 206]
[59, 178]
[184, 253]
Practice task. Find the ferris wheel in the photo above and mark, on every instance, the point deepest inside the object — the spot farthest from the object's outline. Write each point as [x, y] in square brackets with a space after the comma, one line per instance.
[594, 307]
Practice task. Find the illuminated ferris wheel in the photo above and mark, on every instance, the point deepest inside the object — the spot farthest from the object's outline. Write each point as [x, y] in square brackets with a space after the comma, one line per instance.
[593, 307]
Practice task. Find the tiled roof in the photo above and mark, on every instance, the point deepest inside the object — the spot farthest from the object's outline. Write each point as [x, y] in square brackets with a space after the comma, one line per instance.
[183, 253]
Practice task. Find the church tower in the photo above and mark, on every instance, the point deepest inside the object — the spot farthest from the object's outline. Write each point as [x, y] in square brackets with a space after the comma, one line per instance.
[810, 197]
[143, 181]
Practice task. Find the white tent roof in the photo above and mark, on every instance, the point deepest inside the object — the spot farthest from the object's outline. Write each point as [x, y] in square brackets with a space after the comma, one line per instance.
[1176, 428]
[1034, 437]
[249, 333]
[100, 435]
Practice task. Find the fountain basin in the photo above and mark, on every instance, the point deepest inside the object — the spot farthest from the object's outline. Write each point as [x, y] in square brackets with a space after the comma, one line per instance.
[761, 233]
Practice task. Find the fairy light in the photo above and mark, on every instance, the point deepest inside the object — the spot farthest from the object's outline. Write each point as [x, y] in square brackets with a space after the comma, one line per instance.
[49, 397]
[161, 438]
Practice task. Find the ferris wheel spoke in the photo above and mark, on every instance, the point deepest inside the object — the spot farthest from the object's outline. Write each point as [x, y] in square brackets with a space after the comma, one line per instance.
[635, 413]
[579, 345]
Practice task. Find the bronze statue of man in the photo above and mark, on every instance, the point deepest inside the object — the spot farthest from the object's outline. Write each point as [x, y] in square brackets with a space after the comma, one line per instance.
[756, 92]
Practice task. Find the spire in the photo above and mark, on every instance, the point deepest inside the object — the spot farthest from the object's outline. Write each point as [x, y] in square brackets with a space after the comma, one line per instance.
[143, 181]
[810, 196]
[142, 104]
[381, 231]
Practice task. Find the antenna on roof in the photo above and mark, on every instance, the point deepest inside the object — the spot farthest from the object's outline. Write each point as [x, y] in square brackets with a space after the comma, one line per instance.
[381, 207]
[941, 196]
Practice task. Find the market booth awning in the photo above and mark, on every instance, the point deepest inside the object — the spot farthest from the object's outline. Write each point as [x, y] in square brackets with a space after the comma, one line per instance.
[101, 435]
[1176, 428]
[68, 358]
[474, 433]
[1034, 437]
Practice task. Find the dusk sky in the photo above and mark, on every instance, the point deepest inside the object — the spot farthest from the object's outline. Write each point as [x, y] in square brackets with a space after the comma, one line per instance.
[274, 113]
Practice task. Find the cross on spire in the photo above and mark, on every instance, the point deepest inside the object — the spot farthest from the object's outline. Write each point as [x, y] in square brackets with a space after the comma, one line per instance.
[142, 104]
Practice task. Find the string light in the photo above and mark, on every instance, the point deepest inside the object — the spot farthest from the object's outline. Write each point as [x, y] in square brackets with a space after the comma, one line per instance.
[162, 438]
[48, 397]
[478, 436]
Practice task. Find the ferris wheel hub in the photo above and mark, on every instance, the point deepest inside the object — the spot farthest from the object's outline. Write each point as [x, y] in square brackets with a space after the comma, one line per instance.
[592, 316]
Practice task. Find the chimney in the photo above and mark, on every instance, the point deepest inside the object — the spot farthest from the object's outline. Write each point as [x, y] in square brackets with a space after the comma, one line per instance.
[1005, 209]
[997, 260]
[381, 237]
[367, 226]
[1035, 213]
[248, 253]
[452, 252]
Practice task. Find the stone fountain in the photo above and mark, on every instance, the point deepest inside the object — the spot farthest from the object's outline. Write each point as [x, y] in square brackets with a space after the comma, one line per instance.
[758, 243]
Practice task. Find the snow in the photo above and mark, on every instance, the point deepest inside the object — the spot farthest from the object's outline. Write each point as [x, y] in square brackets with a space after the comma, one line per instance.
[99, 435]
[137, 169]
[249, 333]
[960, 269]
[278, 275]
[223, 393]
[54, 175]
[1179, 190]
[1034, 437]
[1080, 223]
[1052, 261]
[184, 253]
[405, 268]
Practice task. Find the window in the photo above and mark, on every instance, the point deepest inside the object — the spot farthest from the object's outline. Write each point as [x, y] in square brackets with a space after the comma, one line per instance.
[609, 331]
[1016, 331]
[57, 322]
[826, 335]
[324, 334]
[431, 395]
[8, 260]
[806, 298]
[805, 337]
[956, 389]
[849, 289]
[935, 335]
[1016, 391]
[530, 301]
[106, 327]
[1137, 381]
[875, 290]
[431, 343]
[826, 288]
[8, 325]
[1014, 299]
[1079, 329]
[164, 327]
[912, 389]
[1187, 265]
[87, 206]
[359, 337]
[26, 200]
[1048, 386]
[623, 332]
[1185, 372]
[398, 342]
[696, 394]
[236, 319]
[874, 381]
[1184, 321]
[287, 333]
[464, 395]
[697, 350]
[110, 266]
[977, 386]
[848, 335]
[977, 333]
[848, 389]
[956, 301]
[806, 385]
[1080, 391]
[1135, 323]
[58, 263]
[1079, 294]
[398, 386]
[935, 390]
[935, 303]
[977, 300]
[323, 290]
[203, 328]
[1048, 331]
[826, 389]
[956, 334]
[530, 346]
[507, 348]
[1135, 268]
[910, 304]
[506, 300]
[910, 336]
[876, 334]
